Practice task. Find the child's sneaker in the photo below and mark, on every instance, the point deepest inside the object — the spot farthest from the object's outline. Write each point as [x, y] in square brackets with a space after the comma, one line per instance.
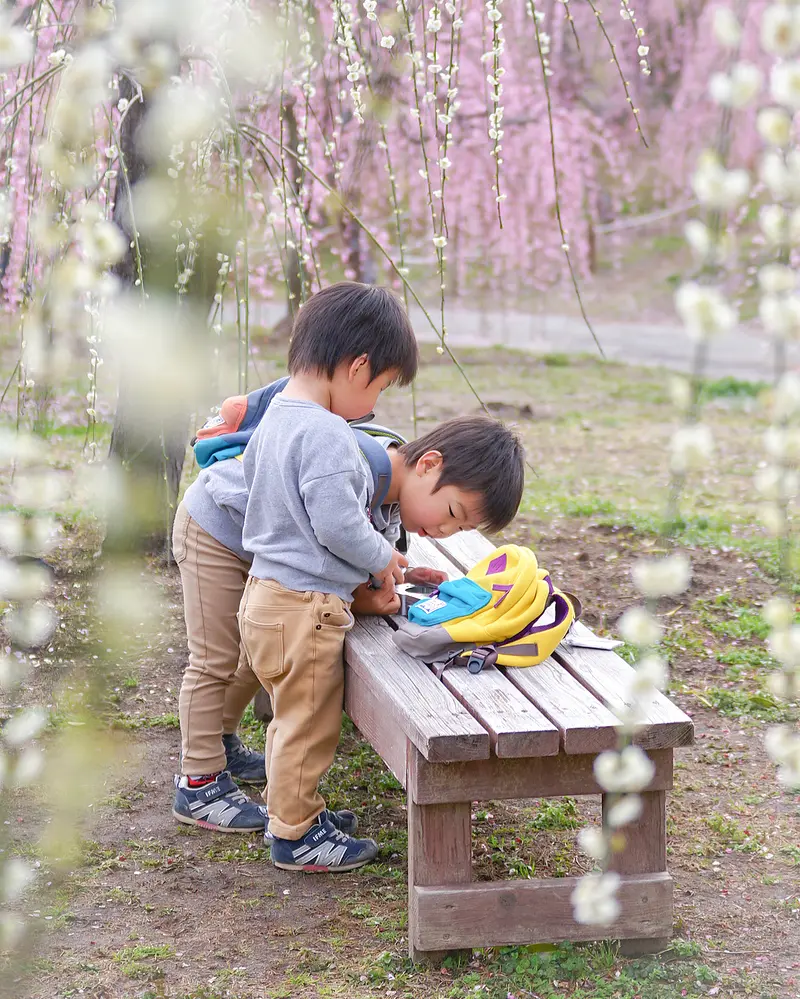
[345, 821]
[242, 763]
[218, 805]
[323, 848]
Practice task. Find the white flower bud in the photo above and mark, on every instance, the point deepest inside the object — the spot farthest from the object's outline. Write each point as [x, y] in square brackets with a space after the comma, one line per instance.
[24, 726]
[594, 899]
[784, 645]
[738, 88]
[785, 84]
[387, 42]
[786, 402]
[692, 447]
[717, 187]
[638, 626]
[727, 30]
[626, 810]
[773, 517]
[593, 843]
[775, 279]
[704, 310]
[680, 392]
[774, 126]
[17, 875]
[774, 224]
[780, 30]
[662, 577]
[778, 612]
[628, 771]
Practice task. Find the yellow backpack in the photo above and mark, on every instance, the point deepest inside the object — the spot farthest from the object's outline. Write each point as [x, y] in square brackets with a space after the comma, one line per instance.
[518, 619]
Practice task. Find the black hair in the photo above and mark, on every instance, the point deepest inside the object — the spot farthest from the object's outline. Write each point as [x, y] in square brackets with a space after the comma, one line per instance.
[348, 319]
[481, 455]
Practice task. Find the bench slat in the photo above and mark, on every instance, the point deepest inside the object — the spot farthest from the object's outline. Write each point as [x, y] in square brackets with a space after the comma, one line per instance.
[516, 726]
[601, 672]
[411, 695]
[606, 675]
[585, 723]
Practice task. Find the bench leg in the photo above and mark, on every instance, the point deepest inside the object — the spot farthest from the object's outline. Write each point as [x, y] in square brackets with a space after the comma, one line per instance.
[439, 853]
[645, 853]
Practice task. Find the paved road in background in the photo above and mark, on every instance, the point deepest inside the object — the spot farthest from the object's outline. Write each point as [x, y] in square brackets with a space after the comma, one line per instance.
[741, 354]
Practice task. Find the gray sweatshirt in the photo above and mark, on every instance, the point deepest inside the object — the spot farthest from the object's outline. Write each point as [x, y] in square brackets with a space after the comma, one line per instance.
[307, 521]
[217, 499]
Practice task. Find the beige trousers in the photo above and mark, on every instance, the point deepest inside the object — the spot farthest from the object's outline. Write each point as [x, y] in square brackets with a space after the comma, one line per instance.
[218, 683]
[294, 642]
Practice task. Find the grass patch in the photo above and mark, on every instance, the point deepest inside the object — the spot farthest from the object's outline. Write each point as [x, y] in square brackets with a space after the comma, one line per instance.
[759, 704]
[134, 961]
[731, 388]
[168, 720]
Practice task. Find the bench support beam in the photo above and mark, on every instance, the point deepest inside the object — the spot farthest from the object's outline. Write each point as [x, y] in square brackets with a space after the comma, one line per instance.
[439, 852]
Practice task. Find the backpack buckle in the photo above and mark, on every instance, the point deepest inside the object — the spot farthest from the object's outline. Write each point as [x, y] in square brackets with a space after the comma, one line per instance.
[480, 657]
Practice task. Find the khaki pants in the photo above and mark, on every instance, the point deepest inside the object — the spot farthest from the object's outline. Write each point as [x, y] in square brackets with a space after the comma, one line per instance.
[294, 642]
[218, 683]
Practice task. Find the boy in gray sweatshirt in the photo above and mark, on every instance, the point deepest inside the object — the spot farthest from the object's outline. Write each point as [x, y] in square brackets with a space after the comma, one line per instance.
[308, 525]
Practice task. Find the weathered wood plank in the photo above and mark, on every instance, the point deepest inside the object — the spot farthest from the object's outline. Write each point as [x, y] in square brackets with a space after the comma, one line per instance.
[646, 839]
[497, 914]
[534, 777]
[411, 696]
[601, 672]
[439, 850]
[607, 676]
[585, 723]
[369, 713]
[516, 726]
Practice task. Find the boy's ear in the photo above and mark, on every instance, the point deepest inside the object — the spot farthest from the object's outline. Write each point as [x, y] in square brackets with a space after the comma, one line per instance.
[430, 462]
[356, 365]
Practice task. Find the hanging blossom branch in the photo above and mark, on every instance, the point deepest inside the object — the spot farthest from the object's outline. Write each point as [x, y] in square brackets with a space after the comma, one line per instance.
[706, 312]
[779, 310]
[543, 48]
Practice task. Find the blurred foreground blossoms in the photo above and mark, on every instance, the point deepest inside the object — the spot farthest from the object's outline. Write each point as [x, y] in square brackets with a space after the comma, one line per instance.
[708, 304]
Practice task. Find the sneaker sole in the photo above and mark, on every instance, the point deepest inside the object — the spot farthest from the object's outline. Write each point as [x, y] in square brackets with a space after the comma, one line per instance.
[321, 868]
[210, 826]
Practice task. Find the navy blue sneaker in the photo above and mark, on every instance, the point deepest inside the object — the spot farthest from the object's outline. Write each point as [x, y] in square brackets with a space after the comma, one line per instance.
[323, 848]
[219, 806]
[345, 821]
[242, 763]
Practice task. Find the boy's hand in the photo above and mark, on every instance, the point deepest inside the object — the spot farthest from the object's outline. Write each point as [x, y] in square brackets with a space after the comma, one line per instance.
[393, 573]
[423, 575]
[367, 600]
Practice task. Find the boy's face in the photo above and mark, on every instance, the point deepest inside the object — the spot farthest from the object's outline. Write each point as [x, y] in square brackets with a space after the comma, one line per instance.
[433, 513]
[354, 391]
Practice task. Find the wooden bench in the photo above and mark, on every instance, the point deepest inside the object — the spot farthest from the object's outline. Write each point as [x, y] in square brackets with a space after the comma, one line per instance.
[510, 733]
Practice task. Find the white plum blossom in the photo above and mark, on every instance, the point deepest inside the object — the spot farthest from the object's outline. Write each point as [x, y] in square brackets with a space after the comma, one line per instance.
[780, 314]
[638, 626]
[782, 176]
[622, 772]
[774, 126]
[16, 44]
[31, 625]
[774, 224]
[627, 809]
[594, 899]
[773, 517]
[738, 88]
[776, 279]
[783, 746]
[387, 42]
[680, 392]
[778, 612]
[440, 241]
[662, 577]
[786, 401]
[17, 875]
[717, 187]
[777, 484]
[785, 84]
[782, 443]
[704, 310]
[692, 447]
[24, 726]
[784, 645]
[780, 30]
[650, 674]
[698, 237]
[727, 30]
[593, 842]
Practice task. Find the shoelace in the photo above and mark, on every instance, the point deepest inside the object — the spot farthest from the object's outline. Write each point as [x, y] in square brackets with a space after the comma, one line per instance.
[238, 797]
[342, 837]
